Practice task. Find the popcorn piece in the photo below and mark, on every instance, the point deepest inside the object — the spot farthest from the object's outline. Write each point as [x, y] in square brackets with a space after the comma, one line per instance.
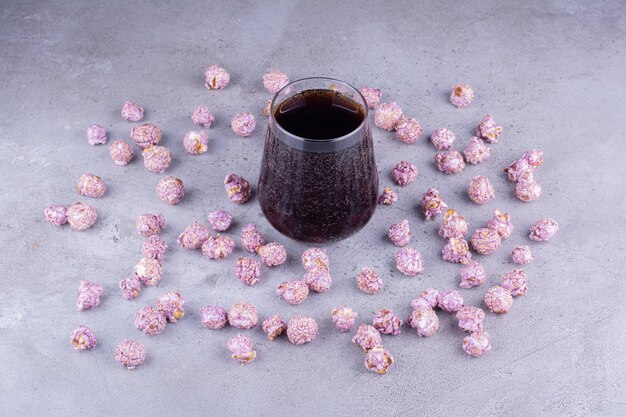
[273, 81]
[534, 157]
[315, 259]
[171, 304]
[301, 329]
[409, 261]
[83, 338]
[149, 271]
[442, 139]
[55, 214]
[453, 225]
[91, 185]
[213, 317]
[472, 275]
[146, 135]
[404, 173]
[218, 247]
[386, 322]
[522, 255]
[450, 301]
[486, 241]
[480, 190]
[387, 115]
[243, 124]
[96, 135]
[193, 236]
[248, 270]
[344, 318]
[527, 191]
[450, 162]
[470, 319]
[498, 300]
[388, 197]
[237, 188]
[367, 337]
[243, 315]
[431, 295]
[400, 233]
[150, 321]
[196, 142]
[131, 287]
[501, 223]
[369, 281]
[121, 153]
[268, 108]
[378, 359]
[371, 96]
[130, 354]
[132, 112]
[251, 238]
[318, 280]
[272, 254]
[432, 204]
[477, 343]
[274, 326]
[515, 282]
[81, 216]
[294, 292]
[488, 129]
[149, 224]
[519, 169]
[420, 303]
[154, 247]
[408, 130]
[462, 95]
[220, 220]
[216, 78]
[542, 231]
[156, 158]
[424, 321]
[202, 117]
[456, 250]
[88, 295]
[241, 350]
[171, 190]
[476, 152]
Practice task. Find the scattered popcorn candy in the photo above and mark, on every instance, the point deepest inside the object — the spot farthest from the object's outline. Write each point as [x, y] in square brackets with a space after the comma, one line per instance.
[501, 223]
[450, 301]
[315, 259]
[522, 255]
[150, 321]
[132, 112]
[408, 130]
[404, 173]
[149, 271]
[387, 115]
[216, 78]
[442, 139]
[83, 338]
[274, 326]
[237, 188]
[243, 124]
[146, 135]
[55, 214]
[453, 225]
[156, 158]
[154, 247]
[121, 153]
[371, 96]
[456, 250]
[388, 197]
[472, 275]
[81, 216]
[527, 190]
[318, 280]
[171, 190]
[477, 343]
[96, 135]
[476, 152]
[515, 282]
[251, 238]
[523, 167]
[241, 350]
[149, 224]
[498, 300]
[91, 185]
[218, 247]
[248, 270]
[272, 254]
[220, 220]
[378, 359]
[344, 318]
[432, 204]
[213, 317]
[534, 157]
[273, 81]
[488, 129]
[88, 295]
[193, 236]
[480, 190]
[431, 295]
[470, 319]
[486, 241]
[301, 329]
[202, 117]
[131, 287]
[130, 354]
[424, 321]
[243, 315]
[409, 261]
[171, 304]
[369, 281]
[400, 233]
[367, 337]
[268, 108]
[196, 142]
[461, 96]
[386, 322]
[542, 231]
[294, 292]
[420, 303]
[450, 162]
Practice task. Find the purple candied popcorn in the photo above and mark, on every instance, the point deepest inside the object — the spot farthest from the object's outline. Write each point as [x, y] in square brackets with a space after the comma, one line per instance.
[387, 115]
[301, 330]
[367, 337]
[450, 162]
[543, 230]
[146, 135]
[450, 301]
[527, 190]
[88, 295]
[456, 250]
[220, 220]
[268, 108]
[501, 223]
[240, 347]
[488, 129]
[91, 185]
[171, 304]
[400, 233]
[273, 326]
[248, 270]
[420, 303]
[476, 152]
[369, 281]
[522, 255]
[344, 318]
[472, 275]
[315, 259]
[193, 236]
[498, 300]
[156, 158]
[515, 282]
[121, 153]
[237, 188]
[149, 224]
[81, 216]
[523, 167]
[213, 317]
[272, 254]
[243, 124]
[461, 96]
[371, 96]
[404, 173]
[131, 287]
[386, 322]
[480, 190]
[130, 354]
[171, 190]
[534, 157]
[424, 321]
[154, 247]
[133, 112]
[149, 271]
[378, 359]
[273, 81]
[243, 315]
[83, 338]
[408, 130]
[453, 225]
[432, 204]
[202, 117]
[486, 241]
[431, 295]
[442, 139]
[409, 261]
[251, 238]
[477, 343]
[96, 135]
[216, 78]
[218, 247]
[196, 142]
[388, 197]
[55, 214]
[294, 292]
[470, 319]
[150, 321]
[318, 280]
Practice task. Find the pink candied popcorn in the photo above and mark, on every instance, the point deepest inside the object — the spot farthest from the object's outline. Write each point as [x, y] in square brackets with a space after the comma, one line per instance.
[431, 295]
[83, 338]
[369, 281]
[456, 250]
[518, 170]
[420, 303]
[171, 190]
[237, 188]
[268, 108]
[453, 225]
[248, 270]
[501, 223]
[367, 337]
[213, 317]
[55, 214]
[461, 96]
[202, 117]
[251, 238]
[498, 300]
[404, 173]
[527, 190]
[409, 261]
[400, 233]
[318, 280]
[534, 157]
[154, 247]
[315, 259]
[149, 271]
[196, 142]
[130, 354]
[273, 81]
[442, 139]
[432, 204]
[294, 292]
[472, 275]
[172, 305]
[88, 295]
[240, 347]
[450, 162]
[220, 220]
[91, 185]
[156, 158]
[193, 236]
[96, 135]
[388, 197]
[218, 247]
[470, 319]
[424, 321]
[543, 230]
[488, 129]
[477, 343]
[274, 326]
[450, 301]
[243, 124]
[121, 153]
[476, 152]
[243, 315]
[480, 190]
[132, 112]
[301, 329]
[146, 135]
[216, 78]
[486, 241]
[386, 322]
[131, 287]
[408, 130]
[371, 96]
[522, 255]
[150, 321]
[344, 318]
[149, 224]
[378, 359]
[81, 216]
[387, 115]
[272, 254]
[515, 282]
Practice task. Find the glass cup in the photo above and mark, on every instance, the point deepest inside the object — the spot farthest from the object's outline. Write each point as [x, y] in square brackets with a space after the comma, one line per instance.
[318, 180]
